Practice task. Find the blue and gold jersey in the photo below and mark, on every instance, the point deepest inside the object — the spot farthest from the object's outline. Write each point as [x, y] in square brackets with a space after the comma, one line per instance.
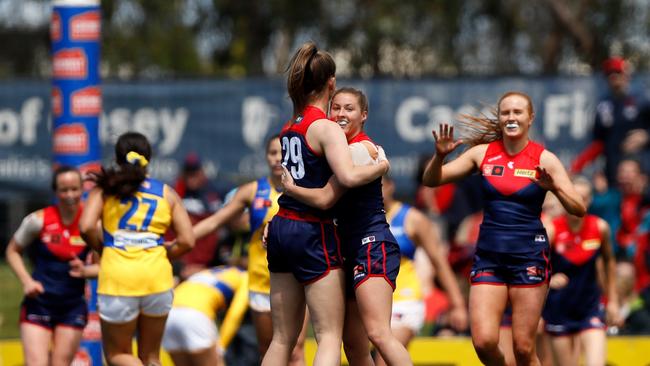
[407, 286]
[263, 207]
[215, 289]
[134, 261]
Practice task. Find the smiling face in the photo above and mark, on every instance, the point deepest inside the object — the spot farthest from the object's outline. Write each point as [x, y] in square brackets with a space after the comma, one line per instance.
[68, 189]
[515, 116]
[274, 156]
[347, 112]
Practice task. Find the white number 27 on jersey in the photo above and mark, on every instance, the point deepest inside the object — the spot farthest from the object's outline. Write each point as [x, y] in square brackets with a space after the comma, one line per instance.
[292, 149]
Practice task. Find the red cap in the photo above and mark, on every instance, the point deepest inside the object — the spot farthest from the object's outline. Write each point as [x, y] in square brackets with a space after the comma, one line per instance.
[614, 65]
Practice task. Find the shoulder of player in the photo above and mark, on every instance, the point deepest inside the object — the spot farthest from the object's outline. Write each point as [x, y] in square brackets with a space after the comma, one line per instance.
[371, 147]
[546, 156]
[477, 152]
[602, 225]
[246, 192]
[415, 219]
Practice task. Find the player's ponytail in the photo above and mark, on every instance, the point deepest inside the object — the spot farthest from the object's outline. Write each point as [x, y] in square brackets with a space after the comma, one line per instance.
[132, 155]
[308, 73]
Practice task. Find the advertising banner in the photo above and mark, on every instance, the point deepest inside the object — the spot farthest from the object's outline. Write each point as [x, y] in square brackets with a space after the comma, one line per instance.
[228, 122]
[76, 104]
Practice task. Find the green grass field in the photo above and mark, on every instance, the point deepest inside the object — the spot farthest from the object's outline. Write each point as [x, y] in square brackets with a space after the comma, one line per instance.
[11, 294]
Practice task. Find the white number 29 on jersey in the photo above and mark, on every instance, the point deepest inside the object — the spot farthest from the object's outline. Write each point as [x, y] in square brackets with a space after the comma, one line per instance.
[292, 149]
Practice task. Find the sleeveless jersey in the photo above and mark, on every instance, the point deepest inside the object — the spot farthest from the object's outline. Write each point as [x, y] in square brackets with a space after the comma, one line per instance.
[262, 210]
[210, 290]
[134, 261]
[575, 255]
[56, 245]
[361, 209]
[407, 286]
[513, 202]
[308, 169]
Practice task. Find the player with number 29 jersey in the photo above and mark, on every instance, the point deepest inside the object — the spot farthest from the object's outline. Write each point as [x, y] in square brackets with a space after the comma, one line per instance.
[133, 231]
[308, 169]
[303, 239]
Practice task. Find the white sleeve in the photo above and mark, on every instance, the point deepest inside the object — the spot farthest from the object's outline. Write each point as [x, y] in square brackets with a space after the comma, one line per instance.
[360, 154]
[29, 229]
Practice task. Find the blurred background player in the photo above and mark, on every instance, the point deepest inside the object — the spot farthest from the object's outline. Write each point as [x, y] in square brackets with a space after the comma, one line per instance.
[574, 315]
[260, 198]
[413, 230]
[191, 336]
[54, 312]
[135, 279]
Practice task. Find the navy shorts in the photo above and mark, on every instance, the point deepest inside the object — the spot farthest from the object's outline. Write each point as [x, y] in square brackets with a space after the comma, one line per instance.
[370, 256]
[307, 248]
[561, 325]
[512, 269]
[50, 314]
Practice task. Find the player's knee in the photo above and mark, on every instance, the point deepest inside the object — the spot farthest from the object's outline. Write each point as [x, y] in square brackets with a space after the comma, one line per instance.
[485, 345]
[36, 358]
[379, 336]
[523, 349]
[61, 359]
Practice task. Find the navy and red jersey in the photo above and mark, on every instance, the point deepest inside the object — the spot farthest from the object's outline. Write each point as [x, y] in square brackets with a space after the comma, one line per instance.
[574, 254]
[308, 168]
[513, 202]
[361, 209]
[56, 245]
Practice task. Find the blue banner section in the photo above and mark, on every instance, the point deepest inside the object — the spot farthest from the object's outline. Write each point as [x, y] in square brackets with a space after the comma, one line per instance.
[76, 97]
[76, 105]
[227, 122]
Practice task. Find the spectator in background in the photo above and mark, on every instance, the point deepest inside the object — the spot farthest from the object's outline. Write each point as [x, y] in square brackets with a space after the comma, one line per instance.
[623, 206]
[201, 200]
[634, 309]
[621, 124]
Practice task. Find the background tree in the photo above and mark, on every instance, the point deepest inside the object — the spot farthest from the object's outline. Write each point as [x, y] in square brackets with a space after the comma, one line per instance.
[368, 38]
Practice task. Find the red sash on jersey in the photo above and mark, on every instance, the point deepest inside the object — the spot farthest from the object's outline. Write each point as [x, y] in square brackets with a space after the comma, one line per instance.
[578, 248]
[64, 242]
[510, 173]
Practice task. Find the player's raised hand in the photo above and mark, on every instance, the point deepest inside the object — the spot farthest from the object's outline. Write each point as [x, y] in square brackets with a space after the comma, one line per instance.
[445, 142]
[544, 179]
